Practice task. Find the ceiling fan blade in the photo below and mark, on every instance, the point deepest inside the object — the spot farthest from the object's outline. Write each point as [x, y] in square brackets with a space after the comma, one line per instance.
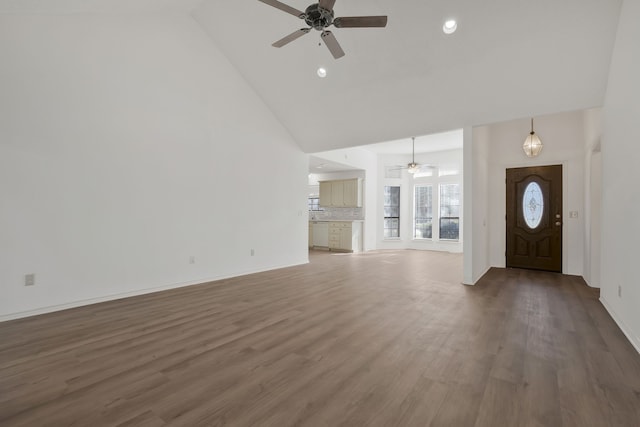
[327, 4]
[291, 37]
[360, 21]
[426, 167]
[285, 8]
[334, 47]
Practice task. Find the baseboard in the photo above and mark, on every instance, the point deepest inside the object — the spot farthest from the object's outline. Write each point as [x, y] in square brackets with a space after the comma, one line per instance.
[474, 281]
[633, 339]
[82, 303]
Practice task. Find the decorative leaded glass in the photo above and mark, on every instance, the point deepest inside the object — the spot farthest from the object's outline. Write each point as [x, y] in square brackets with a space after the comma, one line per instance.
[532, 205]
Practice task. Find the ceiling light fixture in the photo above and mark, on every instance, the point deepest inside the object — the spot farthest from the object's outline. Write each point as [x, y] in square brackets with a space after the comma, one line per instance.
[322, 72]
[450, 26]
[532, 145]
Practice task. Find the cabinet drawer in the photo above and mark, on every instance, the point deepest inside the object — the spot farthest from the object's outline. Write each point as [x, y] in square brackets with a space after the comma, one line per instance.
[339, 225]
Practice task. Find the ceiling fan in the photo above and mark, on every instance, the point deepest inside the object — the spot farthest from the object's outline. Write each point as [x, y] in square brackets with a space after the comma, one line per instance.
[414, 167]
[320, 16]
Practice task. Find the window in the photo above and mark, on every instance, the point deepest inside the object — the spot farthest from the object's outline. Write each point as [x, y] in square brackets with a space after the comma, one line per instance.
[391, 212]
[422, 221]
[314, 204]
[449, 211]
[532, 205]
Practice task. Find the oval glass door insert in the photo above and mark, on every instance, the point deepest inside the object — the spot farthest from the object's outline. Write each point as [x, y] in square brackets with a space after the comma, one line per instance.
[532, 205]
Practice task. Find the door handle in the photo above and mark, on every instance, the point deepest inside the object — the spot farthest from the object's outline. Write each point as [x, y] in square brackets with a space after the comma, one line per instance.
[558, 223]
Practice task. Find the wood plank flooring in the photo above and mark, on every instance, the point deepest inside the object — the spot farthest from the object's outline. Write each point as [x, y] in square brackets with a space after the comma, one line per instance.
[385, 338]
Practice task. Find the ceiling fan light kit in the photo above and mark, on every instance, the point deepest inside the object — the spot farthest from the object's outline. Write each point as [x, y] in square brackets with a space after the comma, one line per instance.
[319, 16]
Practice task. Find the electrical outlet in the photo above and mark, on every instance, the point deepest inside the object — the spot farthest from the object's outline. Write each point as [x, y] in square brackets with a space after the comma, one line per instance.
[573, 214]
[29, 279]
[253, 252]
[619, 291]
[192, 259]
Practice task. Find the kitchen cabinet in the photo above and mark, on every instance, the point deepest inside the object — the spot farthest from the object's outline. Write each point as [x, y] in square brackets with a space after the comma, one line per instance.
[345, 236]
[337, 194]
[320, 233]
[325, 193]
[345, 193]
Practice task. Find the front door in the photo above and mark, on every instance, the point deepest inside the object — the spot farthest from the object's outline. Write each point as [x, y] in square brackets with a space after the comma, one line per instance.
[534, 218]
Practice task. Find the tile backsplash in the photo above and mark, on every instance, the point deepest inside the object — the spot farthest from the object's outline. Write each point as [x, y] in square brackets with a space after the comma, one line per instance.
[337, 214]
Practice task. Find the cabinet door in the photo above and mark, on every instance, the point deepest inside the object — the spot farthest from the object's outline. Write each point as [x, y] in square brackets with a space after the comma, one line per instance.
[321, 234]
[345, 238]
[350, 194]
[337, 193]
[325, 193]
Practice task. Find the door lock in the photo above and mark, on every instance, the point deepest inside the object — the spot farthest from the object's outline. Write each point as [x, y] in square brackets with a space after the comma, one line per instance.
[558, 223]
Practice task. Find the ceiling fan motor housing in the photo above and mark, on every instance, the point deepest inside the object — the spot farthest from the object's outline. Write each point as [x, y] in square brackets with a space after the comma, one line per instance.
[318, 17]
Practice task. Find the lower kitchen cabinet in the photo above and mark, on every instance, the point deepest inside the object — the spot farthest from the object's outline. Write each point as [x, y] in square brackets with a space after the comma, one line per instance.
[345, 236]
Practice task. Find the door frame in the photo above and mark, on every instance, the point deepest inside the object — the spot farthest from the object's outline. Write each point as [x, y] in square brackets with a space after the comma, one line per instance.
[565, 193]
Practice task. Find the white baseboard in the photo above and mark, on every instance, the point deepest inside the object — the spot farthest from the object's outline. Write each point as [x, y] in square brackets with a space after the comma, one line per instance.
[633, 339]
[81, 303]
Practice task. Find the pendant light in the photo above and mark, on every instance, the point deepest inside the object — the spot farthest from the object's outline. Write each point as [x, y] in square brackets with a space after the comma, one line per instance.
[532, 145]
[413, 166]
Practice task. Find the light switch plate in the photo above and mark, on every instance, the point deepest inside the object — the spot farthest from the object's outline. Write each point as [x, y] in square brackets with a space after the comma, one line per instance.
[573, 214]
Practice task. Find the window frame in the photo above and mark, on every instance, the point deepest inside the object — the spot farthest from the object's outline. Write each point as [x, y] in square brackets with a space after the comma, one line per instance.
[449, 217]
[397, 218]
[415, 211]
[315, 204]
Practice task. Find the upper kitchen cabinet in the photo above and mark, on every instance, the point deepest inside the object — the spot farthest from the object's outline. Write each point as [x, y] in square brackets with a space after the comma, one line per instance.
[344, 193]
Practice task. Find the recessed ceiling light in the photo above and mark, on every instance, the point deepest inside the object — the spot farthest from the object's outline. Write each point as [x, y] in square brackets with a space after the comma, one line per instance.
[450, 26]
[322, 73]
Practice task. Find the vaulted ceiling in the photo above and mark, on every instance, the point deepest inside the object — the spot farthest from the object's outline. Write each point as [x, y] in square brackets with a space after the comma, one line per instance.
[509, 59]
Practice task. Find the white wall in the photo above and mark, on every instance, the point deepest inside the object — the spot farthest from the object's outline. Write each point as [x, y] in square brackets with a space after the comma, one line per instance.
[592, 195]
[479, 162]
[620, 177]
[594, 260]
[129, 144]
[563, 139]
[450, 160]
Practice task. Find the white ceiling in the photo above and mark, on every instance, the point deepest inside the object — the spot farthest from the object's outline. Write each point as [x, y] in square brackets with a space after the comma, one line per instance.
[423, 144]
[96, 6]
[320, 165]
[509, 59]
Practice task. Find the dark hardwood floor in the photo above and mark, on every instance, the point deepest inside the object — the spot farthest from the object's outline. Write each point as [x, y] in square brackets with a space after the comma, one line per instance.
[385, 338]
